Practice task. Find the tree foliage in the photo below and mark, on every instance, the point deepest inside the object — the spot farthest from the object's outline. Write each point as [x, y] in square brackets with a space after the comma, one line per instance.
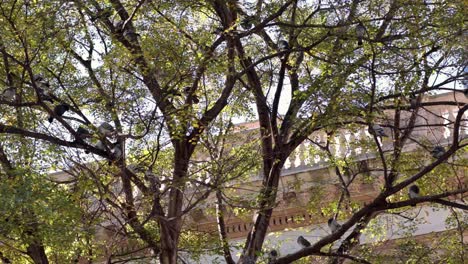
[172, 78]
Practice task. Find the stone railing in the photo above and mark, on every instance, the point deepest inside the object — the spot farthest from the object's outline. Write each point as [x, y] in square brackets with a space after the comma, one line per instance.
[436, 128]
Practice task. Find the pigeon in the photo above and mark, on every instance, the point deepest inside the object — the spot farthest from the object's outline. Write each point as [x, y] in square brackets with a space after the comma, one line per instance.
[249, 260]
[42, 88]
[218, 31]
[8, 94]
[82, 133]
[247, 22]
[41, 82]
[377, 130]
[272, 256]
[103, 13]
[130, 34]
[100, 145]
[38, 78]
[194, 97]
[283, 45]
[119, 26]
[437, 152]
[360, 32]
[117, 150]
[413, 101]
[44, 95]
[106, 129]
[413, 192]
[59, 110]
[303, 242]
[465, 80]
[333, 225]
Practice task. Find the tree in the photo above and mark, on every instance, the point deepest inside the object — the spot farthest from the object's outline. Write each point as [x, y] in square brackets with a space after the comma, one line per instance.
[169, 78]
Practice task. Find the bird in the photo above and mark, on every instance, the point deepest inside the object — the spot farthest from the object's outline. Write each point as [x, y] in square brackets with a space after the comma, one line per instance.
[413, 192]
[377, 130]
[413, 101]
[100, 14]
[360, 32]
[43, 87]
[437, 152]
[38, 78]
[119, 26]
[283, 45]
[333, 225]
[8, 94]
[272, 256]
[82, 133]
[100, 145]
[465, 80]
[106, 129]
[117, 150]
[248, 260]
[173, 92]
[193, 97]
[44, 95]
[59, 110]
[130, 34]
[247, 22]
[41, 82]
[218, 31]
[303, 242]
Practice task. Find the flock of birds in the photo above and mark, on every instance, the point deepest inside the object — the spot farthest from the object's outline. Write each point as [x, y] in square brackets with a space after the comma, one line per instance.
[303, 242]
[105, 130]
[413, 192]
[334, 226]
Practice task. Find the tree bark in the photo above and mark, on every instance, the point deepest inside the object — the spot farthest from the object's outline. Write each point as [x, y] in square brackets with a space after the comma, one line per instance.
[37, 252]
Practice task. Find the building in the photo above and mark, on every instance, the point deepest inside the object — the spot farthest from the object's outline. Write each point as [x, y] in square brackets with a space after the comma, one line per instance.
[308, 179]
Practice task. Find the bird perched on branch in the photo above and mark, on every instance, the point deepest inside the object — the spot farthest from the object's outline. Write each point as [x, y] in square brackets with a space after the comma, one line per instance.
[437, 152]
[130, 34]
[59, 110]
[218, 31]
[118, 26]
[44, 95]
[377, 130]
[43, 87]
[193, 96]
[303, 242]
[333, 225]
[283, 45]
[360, 32]
[102, 14]
[413, 101]
[117, 150]
[272, 256]
[8, 94]
[106, 129]
[100, 145]
[247, 22]
[413, 192]
[41, 82]
[82, 133]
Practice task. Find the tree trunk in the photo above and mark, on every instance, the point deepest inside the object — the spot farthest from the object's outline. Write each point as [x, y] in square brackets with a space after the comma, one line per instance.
[258, 233]
[170, 229]
[37, 253]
